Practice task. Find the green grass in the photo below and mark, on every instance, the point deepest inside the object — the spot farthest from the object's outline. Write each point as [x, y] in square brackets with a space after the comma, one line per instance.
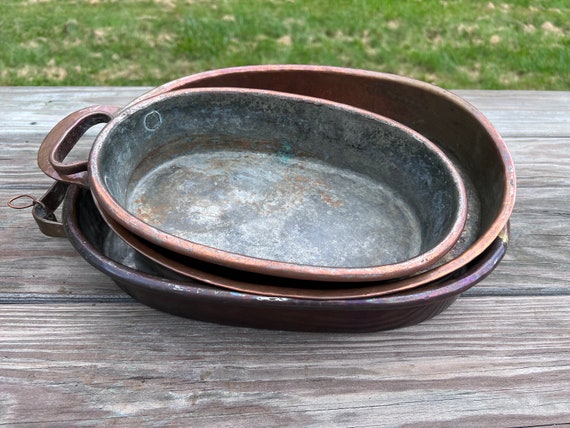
[454, 44]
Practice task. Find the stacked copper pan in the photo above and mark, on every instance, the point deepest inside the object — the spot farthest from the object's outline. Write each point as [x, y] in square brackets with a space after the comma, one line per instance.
[308, 256]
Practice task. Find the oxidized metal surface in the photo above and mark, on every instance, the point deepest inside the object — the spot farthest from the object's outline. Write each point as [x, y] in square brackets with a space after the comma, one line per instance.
[90, 235]
[278, 184]
[457, 127]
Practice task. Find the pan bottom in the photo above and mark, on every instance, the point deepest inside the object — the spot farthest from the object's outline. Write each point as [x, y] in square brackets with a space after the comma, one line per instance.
[280, 206]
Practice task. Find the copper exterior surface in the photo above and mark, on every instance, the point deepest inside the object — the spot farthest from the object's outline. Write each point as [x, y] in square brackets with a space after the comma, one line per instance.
[457, 127]
[324, 191]
[91, 237]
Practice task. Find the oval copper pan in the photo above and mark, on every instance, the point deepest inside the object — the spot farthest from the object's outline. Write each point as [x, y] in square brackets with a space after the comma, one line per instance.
[318, 240]
[457, 127]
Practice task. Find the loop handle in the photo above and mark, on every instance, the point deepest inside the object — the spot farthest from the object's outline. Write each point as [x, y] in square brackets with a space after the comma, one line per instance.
[12, 202]
[63, 137]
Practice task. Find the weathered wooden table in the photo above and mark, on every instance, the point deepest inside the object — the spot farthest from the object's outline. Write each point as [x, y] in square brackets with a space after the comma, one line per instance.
[75, 349]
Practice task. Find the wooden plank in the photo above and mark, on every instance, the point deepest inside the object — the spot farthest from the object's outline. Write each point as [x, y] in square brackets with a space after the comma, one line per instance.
[538, 260]
[34, 266]
[41, 107]
[543, 113]
[485, 361]
[524, 113]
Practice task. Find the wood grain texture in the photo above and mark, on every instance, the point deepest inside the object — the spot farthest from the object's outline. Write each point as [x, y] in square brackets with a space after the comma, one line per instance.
[76, 350]
[468, 366]
[538, 259]
[524, 113]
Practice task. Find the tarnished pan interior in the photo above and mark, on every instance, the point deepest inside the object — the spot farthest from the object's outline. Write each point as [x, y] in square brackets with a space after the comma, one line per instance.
[274, 177]
[458, 128]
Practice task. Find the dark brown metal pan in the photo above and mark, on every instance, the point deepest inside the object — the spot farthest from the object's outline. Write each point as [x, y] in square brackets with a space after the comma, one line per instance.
[92, 238]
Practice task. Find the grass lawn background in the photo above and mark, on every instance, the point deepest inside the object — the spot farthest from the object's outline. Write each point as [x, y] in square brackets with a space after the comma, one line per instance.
[453, 44]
